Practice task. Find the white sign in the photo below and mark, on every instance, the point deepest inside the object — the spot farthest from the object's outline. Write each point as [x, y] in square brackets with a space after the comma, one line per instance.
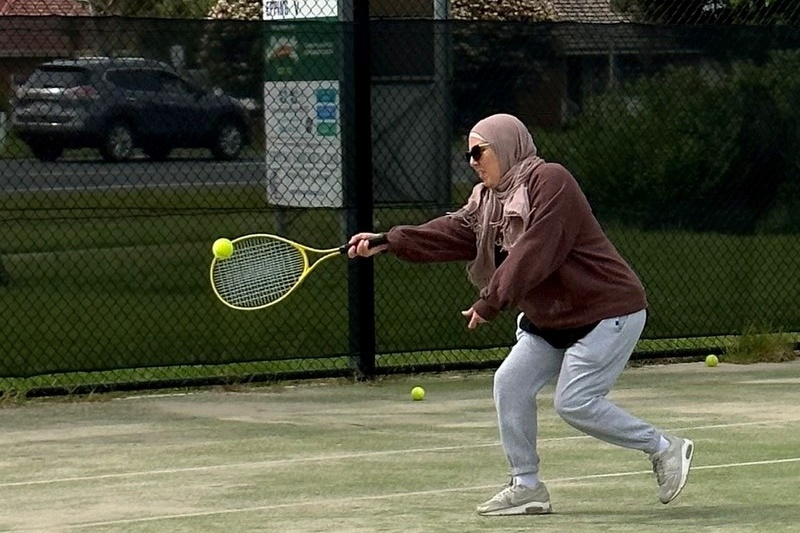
[304, 159]
[299, 9]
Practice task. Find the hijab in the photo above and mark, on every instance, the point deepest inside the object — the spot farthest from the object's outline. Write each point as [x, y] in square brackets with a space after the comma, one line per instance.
[499, 216]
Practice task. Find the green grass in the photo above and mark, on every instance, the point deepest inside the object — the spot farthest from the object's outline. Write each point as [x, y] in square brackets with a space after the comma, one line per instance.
[113, 280]
[702, 284]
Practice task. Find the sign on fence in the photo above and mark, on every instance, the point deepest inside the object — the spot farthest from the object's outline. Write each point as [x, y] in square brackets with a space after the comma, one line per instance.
[301, 104]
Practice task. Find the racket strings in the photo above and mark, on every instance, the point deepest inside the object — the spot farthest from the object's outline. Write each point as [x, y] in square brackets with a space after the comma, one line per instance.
[259, 272]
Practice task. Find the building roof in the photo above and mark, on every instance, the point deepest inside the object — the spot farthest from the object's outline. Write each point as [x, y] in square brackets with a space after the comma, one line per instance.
[42, 7]
[586, 11]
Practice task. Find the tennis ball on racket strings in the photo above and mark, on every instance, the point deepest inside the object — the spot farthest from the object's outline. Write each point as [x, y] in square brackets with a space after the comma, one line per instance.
[222, 248]
[417, 394]
[712, 360]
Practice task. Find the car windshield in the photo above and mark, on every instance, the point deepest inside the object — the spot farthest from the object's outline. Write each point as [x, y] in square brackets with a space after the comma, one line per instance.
[52, 77]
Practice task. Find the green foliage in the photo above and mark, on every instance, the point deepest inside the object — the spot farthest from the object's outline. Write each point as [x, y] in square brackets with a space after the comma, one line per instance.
[706, 149]
[232, 51]
[650, 145]
[758, 345]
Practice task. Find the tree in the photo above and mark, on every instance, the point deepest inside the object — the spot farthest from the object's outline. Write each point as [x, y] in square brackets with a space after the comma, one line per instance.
[716, 12]
[190, 9]
[507, 10]
[236, 9]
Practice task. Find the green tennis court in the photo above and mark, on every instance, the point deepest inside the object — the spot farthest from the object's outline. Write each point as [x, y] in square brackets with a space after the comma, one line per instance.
[362, 457]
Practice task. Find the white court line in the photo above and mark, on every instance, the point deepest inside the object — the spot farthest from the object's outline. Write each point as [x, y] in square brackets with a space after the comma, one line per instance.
[339, 457]
[350, 500]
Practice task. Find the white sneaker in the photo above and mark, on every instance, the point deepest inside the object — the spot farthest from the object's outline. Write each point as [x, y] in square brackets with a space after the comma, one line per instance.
[672, 467]
[517, 499]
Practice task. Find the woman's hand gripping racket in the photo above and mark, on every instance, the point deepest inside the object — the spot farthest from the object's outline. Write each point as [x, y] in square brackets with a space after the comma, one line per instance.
[261, 270]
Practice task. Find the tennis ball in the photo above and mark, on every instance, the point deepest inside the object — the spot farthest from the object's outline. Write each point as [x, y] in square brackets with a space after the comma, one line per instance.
[223, 248]
[712, 360]
[417, 394]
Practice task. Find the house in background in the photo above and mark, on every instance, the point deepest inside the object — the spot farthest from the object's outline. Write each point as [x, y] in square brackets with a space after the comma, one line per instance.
[588, 47]
[33, 31]
[595, 48]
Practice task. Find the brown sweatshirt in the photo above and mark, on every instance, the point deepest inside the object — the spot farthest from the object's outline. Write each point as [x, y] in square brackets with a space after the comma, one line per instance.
[563, 272]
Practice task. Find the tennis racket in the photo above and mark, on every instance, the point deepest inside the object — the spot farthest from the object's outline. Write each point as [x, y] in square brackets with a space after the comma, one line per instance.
[264, 269]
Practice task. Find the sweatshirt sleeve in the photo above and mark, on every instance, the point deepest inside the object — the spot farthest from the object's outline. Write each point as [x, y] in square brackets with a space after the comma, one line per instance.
[558, 208]
[438, 240]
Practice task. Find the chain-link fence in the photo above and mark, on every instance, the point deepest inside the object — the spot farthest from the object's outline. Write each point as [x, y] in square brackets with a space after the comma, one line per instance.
[127, 146]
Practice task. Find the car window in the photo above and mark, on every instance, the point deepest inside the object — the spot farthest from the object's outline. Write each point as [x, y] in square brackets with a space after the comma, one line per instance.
[175, 84]
[51, 77]
[135, 79]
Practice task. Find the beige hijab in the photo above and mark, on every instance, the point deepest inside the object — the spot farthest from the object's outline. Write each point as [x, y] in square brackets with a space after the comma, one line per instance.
[499, 216]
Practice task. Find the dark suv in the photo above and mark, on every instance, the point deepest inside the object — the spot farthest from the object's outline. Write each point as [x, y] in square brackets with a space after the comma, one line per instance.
[119, 104]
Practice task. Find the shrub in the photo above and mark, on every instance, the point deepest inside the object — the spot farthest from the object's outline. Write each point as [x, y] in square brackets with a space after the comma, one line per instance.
[756, 346]
[692, 148]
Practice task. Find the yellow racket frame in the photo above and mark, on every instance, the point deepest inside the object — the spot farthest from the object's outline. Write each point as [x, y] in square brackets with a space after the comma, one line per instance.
[308, 266]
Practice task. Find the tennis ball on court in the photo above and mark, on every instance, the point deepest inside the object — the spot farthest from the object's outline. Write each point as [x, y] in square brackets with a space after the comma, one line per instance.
[222, 248]
[417, 394]
[712, 360]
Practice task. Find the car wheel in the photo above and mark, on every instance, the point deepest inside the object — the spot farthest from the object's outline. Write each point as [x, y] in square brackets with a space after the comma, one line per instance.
[229, 142]
[117, 144]
[46, 152]
[157, 152]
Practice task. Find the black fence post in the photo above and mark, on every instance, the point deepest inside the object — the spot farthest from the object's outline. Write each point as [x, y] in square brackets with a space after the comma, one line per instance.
[357, 173]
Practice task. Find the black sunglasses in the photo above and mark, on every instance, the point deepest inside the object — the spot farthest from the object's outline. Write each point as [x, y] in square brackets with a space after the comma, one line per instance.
[475, 152]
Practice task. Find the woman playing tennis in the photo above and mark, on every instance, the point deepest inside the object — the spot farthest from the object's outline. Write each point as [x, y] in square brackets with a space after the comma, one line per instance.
[533, 245]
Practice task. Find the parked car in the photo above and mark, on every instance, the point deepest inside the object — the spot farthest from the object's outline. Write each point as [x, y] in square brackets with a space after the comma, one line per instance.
[119, 104]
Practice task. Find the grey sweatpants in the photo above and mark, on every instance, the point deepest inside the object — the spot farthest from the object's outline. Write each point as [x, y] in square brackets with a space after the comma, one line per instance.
[586, 372]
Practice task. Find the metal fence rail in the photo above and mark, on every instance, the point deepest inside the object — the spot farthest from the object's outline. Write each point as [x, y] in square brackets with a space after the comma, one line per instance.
[117, 175]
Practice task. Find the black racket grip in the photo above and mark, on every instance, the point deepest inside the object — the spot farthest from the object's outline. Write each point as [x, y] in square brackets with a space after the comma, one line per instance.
[375, 241]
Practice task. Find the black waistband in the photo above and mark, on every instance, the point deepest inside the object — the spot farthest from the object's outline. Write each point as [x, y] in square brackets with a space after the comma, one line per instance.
[557, 338]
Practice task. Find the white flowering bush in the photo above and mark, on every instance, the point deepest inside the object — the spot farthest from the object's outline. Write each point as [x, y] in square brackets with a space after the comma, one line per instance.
[505, 10]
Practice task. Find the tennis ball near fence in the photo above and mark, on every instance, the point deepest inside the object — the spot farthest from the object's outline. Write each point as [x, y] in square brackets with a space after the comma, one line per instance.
[417, 394]
[712, 360]
[222, 248]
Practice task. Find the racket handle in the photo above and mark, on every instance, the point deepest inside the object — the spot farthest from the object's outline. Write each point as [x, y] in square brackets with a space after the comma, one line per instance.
[375, 241]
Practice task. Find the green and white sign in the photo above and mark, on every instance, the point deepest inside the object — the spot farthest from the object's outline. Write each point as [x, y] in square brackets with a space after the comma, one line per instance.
[302, 110]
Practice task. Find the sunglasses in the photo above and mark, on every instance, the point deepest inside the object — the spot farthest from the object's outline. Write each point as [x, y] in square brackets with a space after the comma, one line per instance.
[475, 152]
